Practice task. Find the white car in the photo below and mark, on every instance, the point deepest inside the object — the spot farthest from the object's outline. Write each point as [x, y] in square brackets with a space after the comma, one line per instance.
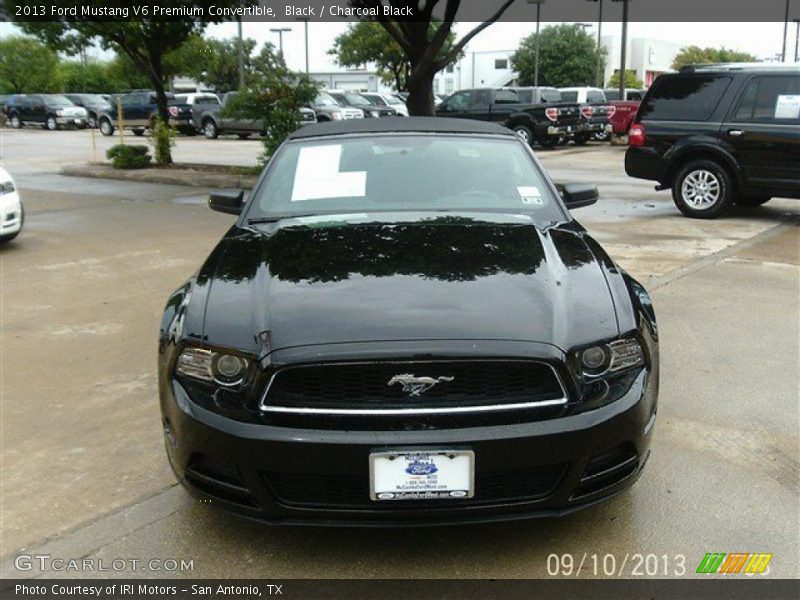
[12, 214]
[389, 100]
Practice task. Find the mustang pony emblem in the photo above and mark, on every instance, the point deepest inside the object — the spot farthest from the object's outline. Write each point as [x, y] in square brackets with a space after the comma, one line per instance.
[414, 386]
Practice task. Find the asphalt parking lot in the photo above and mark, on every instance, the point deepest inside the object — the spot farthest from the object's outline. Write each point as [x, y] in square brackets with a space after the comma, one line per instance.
[83, 468]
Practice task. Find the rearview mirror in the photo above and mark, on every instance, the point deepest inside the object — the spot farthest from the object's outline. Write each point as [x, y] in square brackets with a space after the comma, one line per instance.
[227, 201]
[576, 195]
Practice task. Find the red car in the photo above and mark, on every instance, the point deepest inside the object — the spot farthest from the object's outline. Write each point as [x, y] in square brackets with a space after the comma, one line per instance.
[625, 109]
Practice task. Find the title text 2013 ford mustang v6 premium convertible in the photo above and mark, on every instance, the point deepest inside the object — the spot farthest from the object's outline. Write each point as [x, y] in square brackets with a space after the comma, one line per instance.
[406, 326]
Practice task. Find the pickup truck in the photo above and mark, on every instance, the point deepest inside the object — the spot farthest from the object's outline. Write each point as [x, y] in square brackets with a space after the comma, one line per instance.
[536, 114]
[209, 118]
[596, 112]
[625, 110]
[139, 110]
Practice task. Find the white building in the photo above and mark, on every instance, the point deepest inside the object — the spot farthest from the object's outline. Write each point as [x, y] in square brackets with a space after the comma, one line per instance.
[490, 68]
[357, 80]
[648, 58]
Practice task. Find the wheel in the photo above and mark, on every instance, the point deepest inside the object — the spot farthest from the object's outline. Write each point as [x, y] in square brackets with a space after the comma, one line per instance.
[16, 122]
[106, 128]
[243, 136]
[581, 139]
[602, 136]
[525, 133]
[210, 130]
[752, 200]
[51, 123]
[92, 121]
[548, 141]
[138, 132]
[702, 189]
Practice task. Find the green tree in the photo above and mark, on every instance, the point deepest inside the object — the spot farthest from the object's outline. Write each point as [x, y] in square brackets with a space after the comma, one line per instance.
[91, 78]
[273, 97]
[214, 62]
[567, 56]
[27, 65]
[631, 81]
[422, 44]
[368, 41]
[695, 55]
[146, 42]
[124, 76]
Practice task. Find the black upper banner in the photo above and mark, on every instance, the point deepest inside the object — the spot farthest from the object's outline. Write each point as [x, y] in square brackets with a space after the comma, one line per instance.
[354, 10]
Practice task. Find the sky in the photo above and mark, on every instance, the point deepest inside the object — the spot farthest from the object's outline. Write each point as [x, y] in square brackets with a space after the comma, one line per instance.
[763, 40]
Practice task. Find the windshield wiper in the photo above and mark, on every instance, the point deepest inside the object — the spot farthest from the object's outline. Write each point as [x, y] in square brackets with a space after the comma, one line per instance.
[275, 219]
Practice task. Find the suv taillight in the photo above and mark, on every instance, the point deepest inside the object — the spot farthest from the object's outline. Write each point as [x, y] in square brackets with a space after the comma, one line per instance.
[552, 114]
[636, 135]
[587, 112]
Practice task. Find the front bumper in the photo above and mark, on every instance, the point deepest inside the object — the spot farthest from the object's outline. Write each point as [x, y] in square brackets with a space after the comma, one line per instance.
[10, 214]
[313, 476]
[76, 121]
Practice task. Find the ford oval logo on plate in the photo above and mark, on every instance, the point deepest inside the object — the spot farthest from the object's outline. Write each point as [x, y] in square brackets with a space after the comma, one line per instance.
[421, 468]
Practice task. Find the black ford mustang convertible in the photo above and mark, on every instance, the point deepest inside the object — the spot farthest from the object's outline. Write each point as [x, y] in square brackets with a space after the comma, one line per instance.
[406, 326]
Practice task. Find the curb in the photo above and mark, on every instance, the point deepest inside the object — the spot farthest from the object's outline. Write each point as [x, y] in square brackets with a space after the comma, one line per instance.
[187, 177]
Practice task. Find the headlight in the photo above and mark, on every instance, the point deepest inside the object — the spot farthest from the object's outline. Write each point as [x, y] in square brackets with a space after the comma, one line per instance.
[337, 116]
[207, 365]
[60, 112]
[375, 113]
[7, 187]
[611, 358]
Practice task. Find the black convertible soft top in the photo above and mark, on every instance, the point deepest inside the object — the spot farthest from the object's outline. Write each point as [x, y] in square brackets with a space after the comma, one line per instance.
[400, 125]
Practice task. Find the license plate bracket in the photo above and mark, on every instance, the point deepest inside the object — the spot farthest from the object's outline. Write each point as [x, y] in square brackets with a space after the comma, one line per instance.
[421, 474]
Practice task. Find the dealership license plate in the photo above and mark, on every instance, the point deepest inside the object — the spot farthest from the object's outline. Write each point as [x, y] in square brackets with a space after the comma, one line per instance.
[422, 474]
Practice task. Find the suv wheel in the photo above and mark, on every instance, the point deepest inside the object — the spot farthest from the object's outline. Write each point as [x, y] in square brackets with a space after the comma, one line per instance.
[106, 128]
[702, 189]
[525, 134]
[16, 122]
[51, 123]
[91, 122]
[210, 130]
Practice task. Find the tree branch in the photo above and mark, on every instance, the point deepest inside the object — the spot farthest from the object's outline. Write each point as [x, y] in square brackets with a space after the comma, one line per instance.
[457, 48]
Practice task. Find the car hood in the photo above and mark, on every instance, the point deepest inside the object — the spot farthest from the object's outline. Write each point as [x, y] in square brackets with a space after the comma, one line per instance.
[328, 280]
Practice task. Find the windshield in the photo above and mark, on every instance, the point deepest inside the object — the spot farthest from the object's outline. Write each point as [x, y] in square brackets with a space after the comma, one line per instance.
[393, 100]
[57, 101]
[356, 100]
[405, 173]
[552, 96]
[325, 100]
[93, 99]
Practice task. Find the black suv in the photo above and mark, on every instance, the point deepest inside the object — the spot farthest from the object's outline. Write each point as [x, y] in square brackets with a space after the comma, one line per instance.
[720, 135]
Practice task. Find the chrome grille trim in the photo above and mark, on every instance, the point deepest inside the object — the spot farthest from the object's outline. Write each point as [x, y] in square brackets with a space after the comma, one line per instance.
[265, 407]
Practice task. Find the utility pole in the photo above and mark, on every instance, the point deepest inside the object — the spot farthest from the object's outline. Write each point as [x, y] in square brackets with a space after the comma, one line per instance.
[624, 49]
[597, 81]
[280, 31]
[785, 32]
[538, 4]
[241, 56]
[797, 41]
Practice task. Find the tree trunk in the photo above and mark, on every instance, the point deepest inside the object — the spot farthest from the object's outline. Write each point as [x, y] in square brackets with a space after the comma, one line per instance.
[420, 93]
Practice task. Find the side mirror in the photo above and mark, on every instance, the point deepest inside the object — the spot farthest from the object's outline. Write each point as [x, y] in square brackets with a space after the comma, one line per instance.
[577, 195]
[227, 201]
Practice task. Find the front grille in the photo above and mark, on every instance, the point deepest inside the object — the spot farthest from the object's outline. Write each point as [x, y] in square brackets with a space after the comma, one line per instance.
[329, 491]
[459, 385]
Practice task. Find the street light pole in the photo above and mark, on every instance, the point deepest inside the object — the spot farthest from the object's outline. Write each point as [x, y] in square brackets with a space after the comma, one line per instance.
[597, 81]
[241, 56]
[280, 31]
[785, 32]
[306, 38]
[797, 40]
[624, 49]
[538, 4]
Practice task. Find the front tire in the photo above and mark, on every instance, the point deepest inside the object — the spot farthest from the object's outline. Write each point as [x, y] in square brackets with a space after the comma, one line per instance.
[51, 123]
[138, 132]
[210, 130]
[602, 136]
[525, 134]
[703, 189]
[16, 122]
[106, 128]
[91, 122]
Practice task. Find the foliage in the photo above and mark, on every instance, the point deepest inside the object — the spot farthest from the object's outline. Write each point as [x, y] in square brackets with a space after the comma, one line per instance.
[422, 40]
[567, 57]
[695, 55]
[124, 75]
[214, 62]
[368, 41]
[147, 42]
[162, 139]
[91, 78]
[27, 66]
[631, 81]
[273, 97]
[128, 157]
